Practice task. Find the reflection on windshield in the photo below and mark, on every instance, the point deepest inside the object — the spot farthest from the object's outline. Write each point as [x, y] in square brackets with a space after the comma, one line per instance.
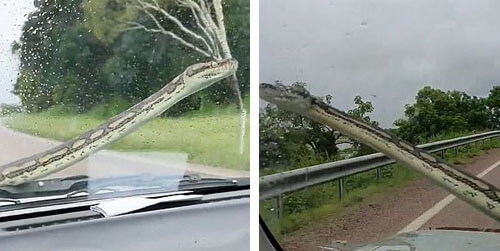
[82, 64]
[320, 186]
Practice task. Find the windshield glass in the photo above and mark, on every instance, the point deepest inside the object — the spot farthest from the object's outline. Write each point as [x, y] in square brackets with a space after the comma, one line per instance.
[122, 93]
[421, 70]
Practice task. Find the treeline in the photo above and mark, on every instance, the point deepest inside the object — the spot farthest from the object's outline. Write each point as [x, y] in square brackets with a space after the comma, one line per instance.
[79, 54]
[436, 112]
[291, 140]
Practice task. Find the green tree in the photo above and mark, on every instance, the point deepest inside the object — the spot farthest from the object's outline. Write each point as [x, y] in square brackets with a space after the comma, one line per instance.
[437, 112]
[83, 44]
[107, 19]
[66, 91]
[54, 44]
[361, 112]
[493, 103]
[31, 92]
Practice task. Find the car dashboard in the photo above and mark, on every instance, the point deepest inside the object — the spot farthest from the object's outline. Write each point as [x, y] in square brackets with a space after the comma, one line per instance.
[220, 221]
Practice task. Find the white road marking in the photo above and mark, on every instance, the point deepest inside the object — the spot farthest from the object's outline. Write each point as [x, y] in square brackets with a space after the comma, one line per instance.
[489, 169]
[427, 215]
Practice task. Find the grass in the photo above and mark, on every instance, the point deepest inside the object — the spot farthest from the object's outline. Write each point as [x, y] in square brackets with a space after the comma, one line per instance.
[209, 137]
[302, 209]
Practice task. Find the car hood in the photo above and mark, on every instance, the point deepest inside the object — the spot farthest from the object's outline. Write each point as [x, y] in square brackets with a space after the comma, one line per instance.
[429, 240]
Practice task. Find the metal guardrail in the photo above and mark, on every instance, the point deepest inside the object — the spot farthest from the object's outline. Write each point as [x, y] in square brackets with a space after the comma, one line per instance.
[273, 186]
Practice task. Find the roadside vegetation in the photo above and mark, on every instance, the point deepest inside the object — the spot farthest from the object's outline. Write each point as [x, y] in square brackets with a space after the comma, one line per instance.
[81, 62]
[209, 136]
[289, 141]
[303, 208]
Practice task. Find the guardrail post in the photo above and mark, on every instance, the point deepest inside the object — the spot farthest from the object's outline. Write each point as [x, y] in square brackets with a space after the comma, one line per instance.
[341, 188]
[456, 151]
[467, 148]
[442, 154]
[278, 204]
[379, 173]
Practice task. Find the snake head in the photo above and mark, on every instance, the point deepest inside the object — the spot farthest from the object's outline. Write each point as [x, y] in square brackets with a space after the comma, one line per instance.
[210, 72]
[294, 98]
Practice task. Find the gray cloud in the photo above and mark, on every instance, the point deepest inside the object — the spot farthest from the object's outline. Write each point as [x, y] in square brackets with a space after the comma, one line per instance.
[386, 48]
[12, 17]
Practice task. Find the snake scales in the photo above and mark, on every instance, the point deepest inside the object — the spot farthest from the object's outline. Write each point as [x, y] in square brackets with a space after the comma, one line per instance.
[469, 188]
[192, 80]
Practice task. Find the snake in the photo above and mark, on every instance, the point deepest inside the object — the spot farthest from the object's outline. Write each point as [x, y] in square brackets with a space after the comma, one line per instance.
[193, 79]
[469, 188]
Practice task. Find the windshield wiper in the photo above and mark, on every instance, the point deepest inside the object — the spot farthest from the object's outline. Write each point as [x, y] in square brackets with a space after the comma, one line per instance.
[85, 187]
[130, 204]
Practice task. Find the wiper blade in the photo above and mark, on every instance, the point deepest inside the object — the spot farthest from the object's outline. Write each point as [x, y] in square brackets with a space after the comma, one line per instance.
[83, 186]
[130, 204]
[470, 229]
[7, 202]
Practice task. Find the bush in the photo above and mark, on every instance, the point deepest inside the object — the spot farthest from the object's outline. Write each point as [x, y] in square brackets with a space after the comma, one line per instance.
[113, 107]
[8, 109]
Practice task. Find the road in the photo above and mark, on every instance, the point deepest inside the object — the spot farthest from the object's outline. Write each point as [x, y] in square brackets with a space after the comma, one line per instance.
[15, 145]
[418, 206]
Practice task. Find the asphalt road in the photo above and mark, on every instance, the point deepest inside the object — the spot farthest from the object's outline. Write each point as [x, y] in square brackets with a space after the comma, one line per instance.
[458, 213]
[15, 145]
[419, 206]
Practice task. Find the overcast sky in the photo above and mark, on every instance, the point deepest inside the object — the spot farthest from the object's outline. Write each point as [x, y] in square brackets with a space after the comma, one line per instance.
[383, 50]
[12, 16]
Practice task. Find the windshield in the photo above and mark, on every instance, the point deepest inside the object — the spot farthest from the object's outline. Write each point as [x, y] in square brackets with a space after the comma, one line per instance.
[423, 71]
[122, 95]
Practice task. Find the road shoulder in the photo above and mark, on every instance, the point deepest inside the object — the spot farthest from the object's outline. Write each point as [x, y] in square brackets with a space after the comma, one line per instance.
[383, 216]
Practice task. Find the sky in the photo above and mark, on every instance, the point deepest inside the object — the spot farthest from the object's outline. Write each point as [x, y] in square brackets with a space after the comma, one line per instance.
[12, 17]
[383, 50]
